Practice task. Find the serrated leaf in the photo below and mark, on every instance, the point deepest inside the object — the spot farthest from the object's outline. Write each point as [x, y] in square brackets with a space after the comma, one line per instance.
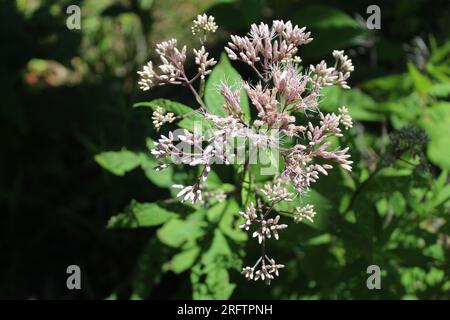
[118, 162]
[223, 72]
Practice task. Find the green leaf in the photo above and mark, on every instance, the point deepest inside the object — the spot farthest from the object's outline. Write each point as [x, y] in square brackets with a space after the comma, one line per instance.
[360, 105]
[189, 114]
[230, 222]
[213, 182]
[323, 17]
[436, 122]
[214, 214]
[183, 260]
[188, 122]
[389, 86]
[118, 162]
[145, 4]
[162, 178]
[209, 277]
[421, 82]
[331, 28]
[247, 194]
[216, 285]
[177, 232]
[440, 90]
[149, 268]
[223, 72]
[168, 105]
[141, 215]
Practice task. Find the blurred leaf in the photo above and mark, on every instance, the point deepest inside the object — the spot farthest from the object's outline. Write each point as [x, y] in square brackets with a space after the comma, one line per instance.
[214, 214]
[230, 222]
[118, 162]
[149, 271]
[360, 105]
[244, 13]
[188, 122]
[398, 203]
[323, 17]
[436, 122]
[145, 4]
[421, 82]
[440, 90]
[162, 178]
[332, 29]
[209, 277]
[183, 260]
[246, 194]
[388, 87]
[176, 231]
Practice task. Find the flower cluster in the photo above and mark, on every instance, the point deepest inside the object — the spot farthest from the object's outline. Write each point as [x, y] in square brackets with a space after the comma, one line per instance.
[266, 273]
[276, 192]
[338, 74]
[171, 70]
[307, 212]
[286, 100]
[204, 23]
[160, 117]
[345, 119]
[204, 65]
[268, 45]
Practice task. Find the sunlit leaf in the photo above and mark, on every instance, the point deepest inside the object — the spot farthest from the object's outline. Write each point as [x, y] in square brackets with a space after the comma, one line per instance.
[118, 162]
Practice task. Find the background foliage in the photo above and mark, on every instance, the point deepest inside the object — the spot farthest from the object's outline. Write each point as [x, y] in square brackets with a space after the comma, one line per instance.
[66, 116]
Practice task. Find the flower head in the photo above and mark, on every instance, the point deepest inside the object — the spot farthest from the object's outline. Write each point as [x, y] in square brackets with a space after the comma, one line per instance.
[147, 77]
[307, 212]
[248, 272]
[160, 117]
[249, 215]
[204, 23]
[285, 92]
[345, 119]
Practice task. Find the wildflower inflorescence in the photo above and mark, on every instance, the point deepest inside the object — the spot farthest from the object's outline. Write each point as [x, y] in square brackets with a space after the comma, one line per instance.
[160, 117]
[286, 99]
